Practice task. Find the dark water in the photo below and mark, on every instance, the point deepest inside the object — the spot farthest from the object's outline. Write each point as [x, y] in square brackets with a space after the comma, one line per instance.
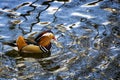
[88, 33]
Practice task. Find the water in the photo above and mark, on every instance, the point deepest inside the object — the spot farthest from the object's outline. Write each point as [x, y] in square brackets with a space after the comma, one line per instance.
[87, 31]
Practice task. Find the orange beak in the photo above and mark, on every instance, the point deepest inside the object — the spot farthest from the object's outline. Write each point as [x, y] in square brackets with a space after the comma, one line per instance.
[54, 38]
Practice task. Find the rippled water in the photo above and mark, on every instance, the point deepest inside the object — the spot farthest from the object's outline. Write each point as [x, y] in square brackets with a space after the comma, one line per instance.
[88, 34]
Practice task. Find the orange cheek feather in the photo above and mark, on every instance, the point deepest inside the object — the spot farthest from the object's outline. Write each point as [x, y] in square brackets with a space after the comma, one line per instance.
[44, 41]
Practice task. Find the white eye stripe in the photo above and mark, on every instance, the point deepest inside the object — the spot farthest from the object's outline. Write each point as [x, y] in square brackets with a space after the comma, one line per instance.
[47, 34]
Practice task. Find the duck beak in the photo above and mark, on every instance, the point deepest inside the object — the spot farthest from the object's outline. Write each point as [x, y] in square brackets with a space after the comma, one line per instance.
[54, 38]
[58, 44]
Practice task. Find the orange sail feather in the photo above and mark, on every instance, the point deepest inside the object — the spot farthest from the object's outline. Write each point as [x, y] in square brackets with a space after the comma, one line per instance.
[21, 42]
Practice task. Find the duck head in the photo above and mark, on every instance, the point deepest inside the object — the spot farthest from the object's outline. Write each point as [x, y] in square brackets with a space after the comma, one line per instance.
[44, 38]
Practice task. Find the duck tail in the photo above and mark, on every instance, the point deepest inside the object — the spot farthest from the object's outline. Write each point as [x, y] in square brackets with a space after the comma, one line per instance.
[21, 42]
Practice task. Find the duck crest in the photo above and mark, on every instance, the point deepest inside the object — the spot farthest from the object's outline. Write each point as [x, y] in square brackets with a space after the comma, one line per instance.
[44, 40]
[38, 37]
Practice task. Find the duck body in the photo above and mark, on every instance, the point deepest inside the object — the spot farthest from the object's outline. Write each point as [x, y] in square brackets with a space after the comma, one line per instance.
[40, 46]
[31, 49]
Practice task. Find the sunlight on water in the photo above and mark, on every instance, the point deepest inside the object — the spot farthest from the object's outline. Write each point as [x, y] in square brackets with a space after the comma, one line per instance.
[106, 23]
[52, 10]
[10, 12]
[82, 15]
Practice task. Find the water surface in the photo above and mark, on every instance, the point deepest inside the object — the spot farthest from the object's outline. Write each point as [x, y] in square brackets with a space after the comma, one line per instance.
[88, 34]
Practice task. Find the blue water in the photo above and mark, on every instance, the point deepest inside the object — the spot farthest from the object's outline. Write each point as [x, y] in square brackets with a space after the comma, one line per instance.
[87, 31]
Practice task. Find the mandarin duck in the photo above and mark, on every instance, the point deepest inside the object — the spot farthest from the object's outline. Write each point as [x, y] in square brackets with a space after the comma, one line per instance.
[38, 47]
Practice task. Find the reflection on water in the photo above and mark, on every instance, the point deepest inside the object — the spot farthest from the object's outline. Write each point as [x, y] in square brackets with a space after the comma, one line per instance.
[87, 31]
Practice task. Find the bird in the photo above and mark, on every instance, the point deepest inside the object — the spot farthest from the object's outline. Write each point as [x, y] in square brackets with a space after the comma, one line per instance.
[38, 47]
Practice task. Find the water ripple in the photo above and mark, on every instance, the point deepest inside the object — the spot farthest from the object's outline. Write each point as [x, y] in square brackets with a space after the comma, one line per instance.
[87, 32]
